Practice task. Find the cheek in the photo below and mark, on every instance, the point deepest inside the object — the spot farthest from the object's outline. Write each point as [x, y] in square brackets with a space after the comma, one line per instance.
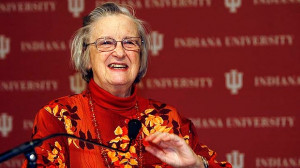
[137, 60]
[92, 56]
[97, 59]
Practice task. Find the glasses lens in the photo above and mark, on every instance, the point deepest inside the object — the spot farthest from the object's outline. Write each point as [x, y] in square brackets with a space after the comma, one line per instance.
[132, 43]
[109, 44]
[105, 44]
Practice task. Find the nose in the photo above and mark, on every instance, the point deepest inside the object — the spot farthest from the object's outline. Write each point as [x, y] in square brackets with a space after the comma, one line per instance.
[119, 50]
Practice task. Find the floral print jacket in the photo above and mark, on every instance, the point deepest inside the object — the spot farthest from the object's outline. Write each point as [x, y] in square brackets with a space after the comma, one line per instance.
[72, 115]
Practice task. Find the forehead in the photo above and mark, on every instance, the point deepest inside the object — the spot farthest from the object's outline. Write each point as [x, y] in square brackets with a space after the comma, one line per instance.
[117, 26]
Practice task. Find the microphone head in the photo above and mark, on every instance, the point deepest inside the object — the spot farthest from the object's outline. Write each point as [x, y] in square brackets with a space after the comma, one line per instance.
[134, 127]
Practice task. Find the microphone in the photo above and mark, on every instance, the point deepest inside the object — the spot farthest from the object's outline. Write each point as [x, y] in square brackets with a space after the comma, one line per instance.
[27, 148]
[134, 127]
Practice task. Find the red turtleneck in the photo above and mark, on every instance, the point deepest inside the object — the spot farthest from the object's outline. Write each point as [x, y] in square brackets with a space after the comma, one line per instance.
[112, 111]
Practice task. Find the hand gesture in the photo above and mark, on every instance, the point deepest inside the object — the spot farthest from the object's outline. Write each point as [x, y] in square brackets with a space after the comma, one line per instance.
[172, 150]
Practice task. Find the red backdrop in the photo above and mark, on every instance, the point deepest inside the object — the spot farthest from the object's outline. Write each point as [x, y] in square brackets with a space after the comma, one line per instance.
[232, 66]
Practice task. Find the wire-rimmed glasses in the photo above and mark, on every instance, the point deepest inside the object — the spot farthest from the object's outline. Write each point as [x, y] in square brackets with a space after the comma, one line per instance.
[109, 44]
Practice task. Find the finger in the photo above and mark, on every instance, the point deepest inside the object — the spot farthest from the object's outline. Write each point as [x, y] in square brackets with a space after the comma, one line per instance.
[165, 139]
[149, 143]
[155, 151]
[160, 137]
[161, 155]
[165, 145]
[176, 140]
[152, 136]
[155, 138]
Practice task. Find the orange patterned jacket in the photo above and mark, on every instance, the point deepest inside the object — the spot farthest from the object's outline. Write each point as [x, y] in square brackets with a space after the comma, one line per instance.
[74, 115]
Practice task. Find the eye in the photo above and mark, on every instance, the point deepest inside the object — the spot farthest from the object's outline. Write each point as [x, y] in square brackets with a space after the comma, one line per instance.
[131, 42]
[106, 42]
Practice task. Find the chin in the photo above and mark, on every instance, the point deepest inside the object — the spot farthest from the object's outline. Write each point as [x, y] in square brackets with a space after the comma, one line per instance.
[121, 82]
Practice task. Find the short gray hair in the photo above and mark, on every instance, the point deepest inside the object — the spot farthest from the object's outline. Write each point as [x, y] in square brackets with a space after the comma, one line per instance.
[80, 56]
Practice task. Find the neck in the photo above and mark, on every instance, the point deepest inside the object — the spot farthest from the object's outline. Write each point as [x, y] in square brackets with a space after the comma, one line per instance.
[117, 90]
[111, 99]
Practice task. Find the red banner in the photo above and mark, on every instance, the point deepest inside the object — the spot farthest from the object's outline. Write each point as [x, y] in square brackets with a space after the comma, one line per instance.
[231, 66]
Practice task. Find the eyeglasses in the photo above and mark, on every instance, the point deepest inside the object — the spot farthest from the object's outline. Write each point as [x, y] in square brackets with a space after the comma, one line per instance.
[109, 44]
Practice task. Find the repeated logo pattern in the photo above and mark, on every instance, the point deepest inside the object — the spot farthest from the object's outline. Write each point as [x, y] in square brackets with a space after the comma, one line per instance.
[254, 42]
[76, 7]
[4, 46]
[156, 42]
[236, 159]
[234, 81]
[232, 5]
[6, 124]
[77, 84]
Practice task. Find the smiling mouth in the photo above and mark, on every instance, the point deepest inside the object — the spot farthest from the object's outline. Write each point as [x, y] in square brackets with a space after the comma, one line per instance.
[118, 66]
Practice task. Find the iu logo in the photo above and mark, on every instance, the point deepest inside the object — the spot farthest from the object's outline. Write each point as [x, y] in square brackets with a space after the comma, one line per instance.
[6, 124]
[156, 42]
[236, 159]
[77, 84]
[234, 81]
[76, 7]
[233, 5]
[4, 46]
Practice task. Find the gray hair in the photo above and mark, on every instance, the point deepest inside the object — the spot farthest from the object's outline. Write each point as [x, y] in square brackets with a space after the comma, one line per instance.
[80, 56]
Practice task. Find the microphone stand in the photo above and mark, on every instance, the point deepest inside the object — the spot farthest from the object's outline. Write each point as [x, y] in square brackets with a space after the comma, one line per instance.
[27, 148]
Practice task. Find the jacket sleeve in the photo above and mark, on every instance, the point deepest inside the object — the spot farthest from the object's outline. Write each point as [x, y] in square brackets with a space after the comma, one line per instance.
[52, 152]
[188, 128]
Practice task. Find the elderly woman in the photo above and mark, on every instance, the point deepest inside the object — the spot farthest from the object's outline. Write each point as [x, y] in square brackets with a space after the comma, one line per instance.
[110, 51]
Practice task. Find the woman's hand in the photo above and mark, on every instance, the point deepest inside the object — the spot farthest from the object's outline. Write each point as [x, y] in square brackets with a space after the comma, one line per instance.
[172, 150]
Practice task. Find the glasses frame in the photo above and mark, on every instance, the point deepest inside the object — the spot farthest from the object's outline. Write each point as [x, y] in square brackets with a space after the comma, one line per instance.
[85, 45]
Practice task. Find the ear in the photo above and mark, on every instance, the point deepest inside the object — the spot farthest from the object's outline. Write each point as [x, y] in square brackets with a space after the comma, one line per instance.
[89, 66]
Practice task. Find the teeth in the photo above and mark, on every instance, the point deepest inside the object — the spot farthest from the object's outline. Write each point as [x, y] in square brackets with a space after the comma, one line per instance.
[117, 66]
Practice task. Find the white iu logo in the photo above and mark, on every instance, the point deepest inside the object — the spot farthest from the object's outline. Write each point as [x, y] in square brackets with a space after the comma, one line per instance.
[233, 5]
[156, 42]
[6, 124]
[4, 46]
[234, 81]
[76, 7]
[77, 84]
[236, 159]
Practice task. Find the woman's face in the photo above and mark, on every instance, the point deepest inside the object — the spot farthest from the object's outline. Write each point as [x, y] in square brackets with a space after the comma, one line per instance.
[117, 68]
